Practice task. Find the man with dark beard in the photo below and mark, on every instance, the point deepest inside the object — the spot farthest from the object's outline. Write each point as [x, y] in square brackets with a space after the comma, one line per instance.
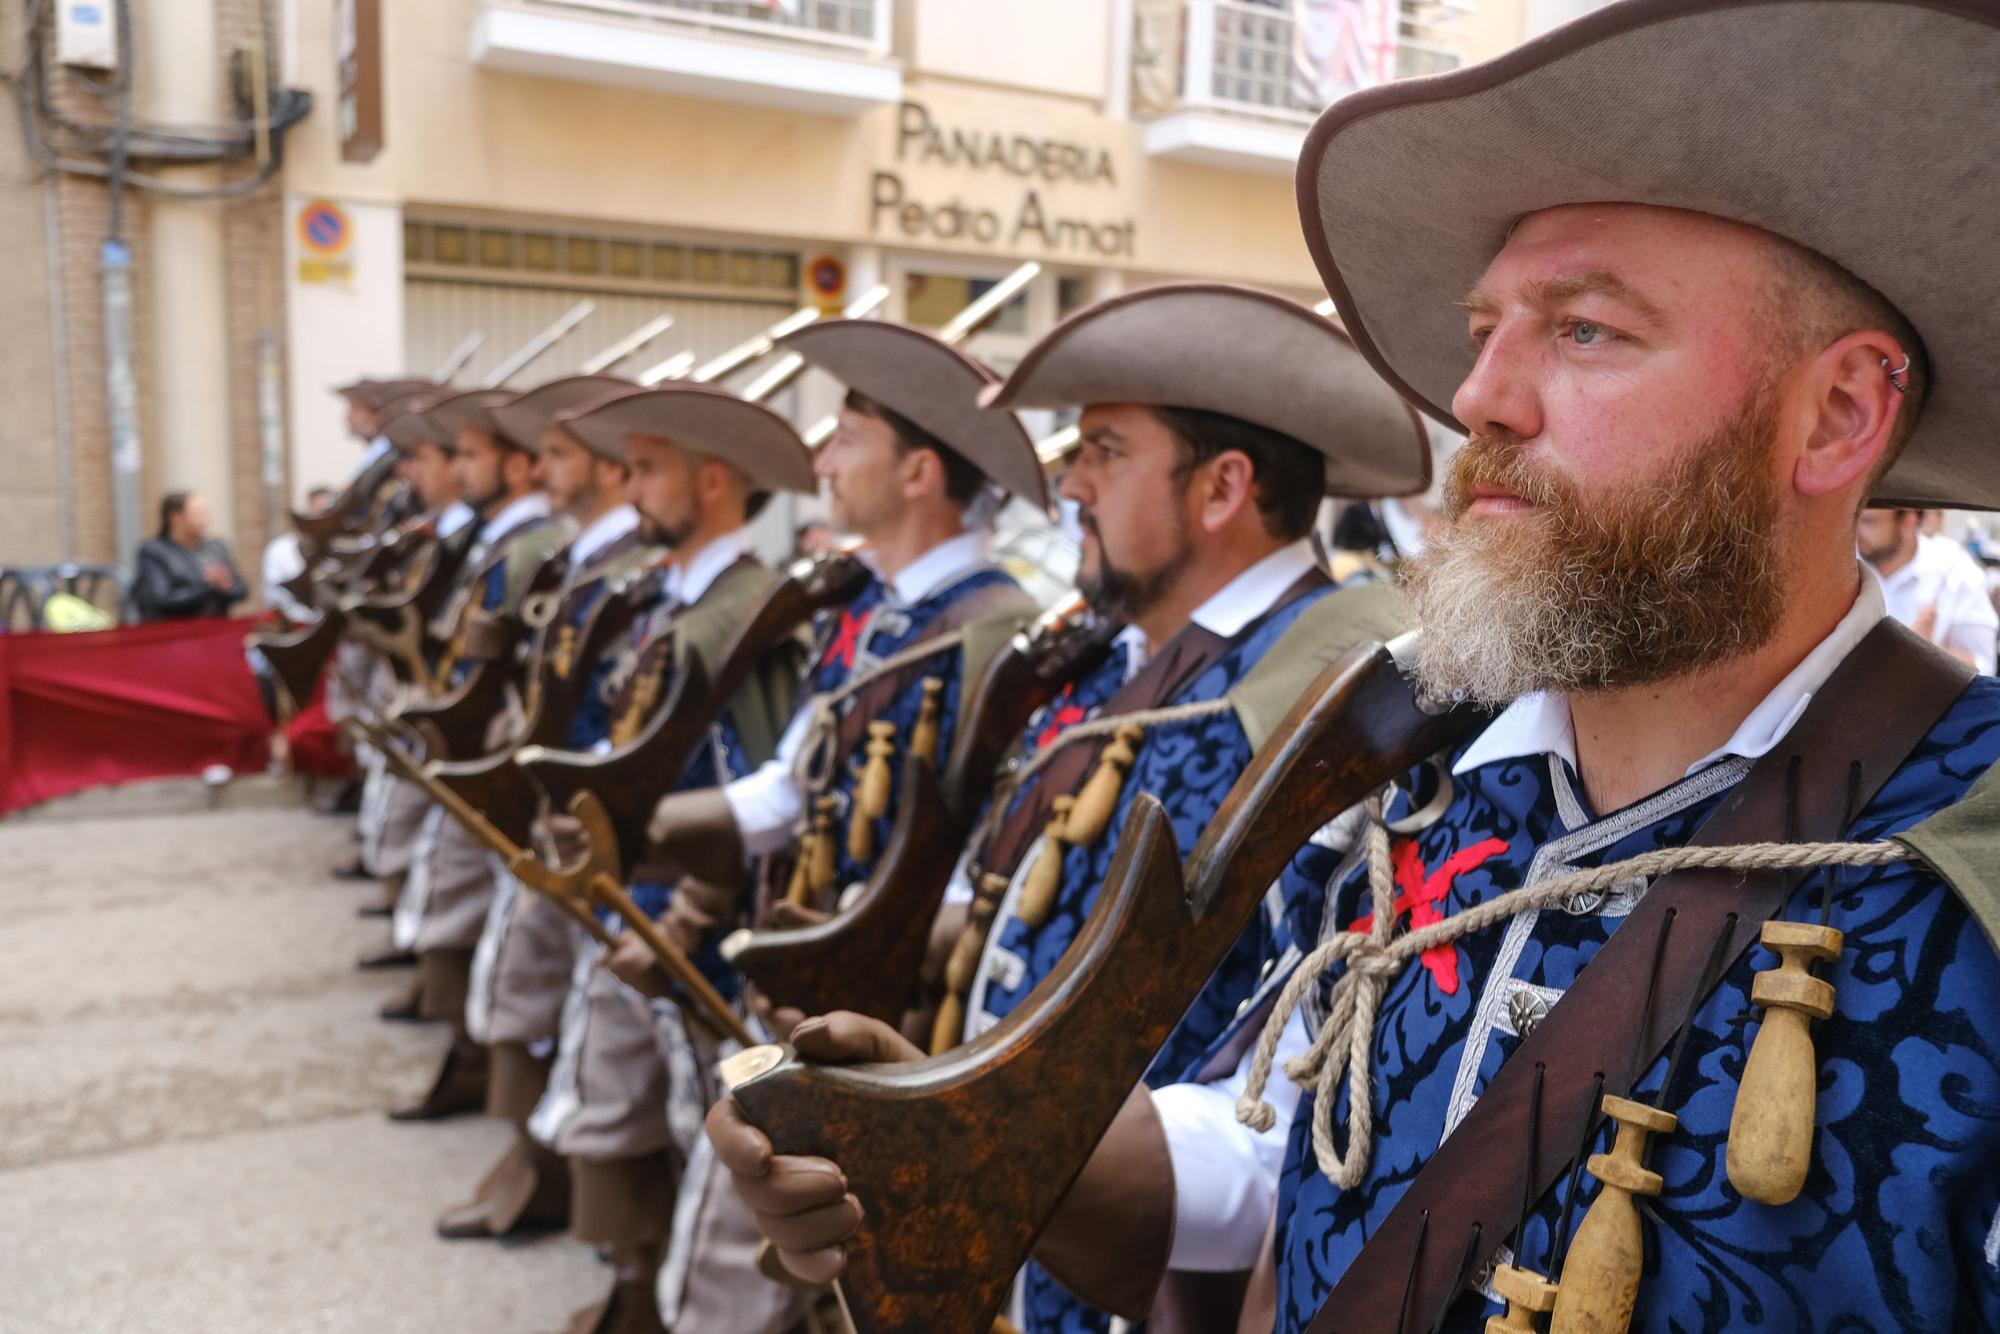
[1197, 479]
[1678, 403]
[701, 462]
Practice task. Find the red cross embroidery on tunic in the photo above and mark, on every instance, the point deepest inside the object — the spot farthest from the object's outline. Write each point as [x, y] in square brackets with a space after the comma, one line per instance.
[1421, 893]
[846, 640]
[1063, 718]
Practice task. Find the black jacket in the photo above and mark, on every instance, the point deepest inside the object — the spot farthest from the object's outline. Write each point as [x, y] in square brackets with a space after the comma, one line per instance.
[168, 585]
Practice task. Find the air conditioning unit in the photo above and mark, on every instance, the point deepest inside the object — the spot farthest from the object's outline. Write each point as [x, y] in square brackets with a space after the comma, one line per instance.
[87, 33]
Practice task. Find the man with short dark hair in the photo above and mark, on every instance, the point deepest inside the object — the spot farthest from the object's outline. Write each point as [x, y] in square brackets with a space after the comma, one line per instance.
[1930, 584]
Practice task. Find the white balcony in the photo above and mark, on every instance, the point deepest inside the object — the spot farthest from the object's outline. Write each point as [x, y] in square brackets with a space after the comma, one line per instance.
[1214, 78]
[825, 57]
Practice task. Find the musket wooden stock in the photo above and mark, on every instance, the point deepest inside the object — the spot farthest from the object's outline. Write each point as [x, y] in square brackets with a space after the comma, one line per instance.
[462, 717]
[299, 656]
[821, 967]
[959, 1160]
[631, 778]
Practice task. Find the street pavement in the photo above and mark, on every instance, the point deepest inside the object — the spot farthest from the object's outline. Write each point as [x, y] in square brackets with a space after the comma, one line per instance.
[192, 1085]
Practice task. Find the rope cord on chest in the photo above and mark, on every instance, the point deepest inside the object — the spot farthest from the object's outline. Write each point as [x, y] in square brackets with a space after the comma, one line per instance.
[1376, 957]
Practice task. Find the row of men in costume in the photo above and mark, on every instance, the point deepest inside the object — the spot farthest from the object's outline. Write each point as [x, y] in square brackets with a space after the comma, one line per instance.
[1686, 358]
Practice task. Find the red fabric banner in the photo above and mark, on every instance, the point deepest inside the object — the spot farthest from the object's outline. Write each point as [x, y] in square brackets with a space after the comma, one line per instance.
[141, 701]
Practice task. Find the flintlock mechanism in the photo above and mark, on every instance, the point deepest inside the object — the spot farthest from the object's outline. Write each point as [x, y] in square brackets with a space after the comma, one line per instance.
[888, 924]
[946, 1230]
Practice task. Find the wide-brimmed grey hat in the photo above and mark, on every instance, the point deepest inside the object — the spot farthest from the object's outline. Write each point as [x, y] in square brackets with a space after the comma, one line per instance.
[934, 385]
[1860, 129]
[522, 421]
[1240, 352]
[412, 425]
[704, 419]
[377, 394]
[471, 407]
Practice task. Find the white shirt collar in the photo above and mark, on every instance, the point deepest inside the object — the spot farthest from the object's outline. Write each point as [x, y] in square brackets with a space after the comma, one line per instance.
[376, 449]
[454, 517]
[605, 529]
[534, 505]
[1540, 724]
[1237, 603]
[949, 560]
[687, 580]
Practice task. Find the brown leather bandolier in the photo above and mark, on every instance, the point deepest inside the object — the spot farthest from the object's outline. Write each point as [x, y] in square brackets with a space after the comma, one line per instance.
[1875, 709]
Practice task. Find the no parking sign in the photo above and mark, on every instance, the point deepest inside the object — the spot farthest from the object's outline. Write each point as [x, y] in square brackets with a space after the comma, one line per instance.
[325, 233]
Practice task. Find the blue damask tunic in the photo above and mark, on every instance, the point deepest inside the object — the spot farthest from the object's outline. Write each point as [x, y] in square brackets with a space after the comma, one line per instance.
[1189, 767]
[1896, 1227]
[868, 631]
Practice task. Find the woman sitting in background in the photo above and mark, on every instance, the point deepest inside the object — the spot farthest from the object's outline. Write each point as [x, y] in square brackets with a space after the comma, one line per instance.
[184, 573]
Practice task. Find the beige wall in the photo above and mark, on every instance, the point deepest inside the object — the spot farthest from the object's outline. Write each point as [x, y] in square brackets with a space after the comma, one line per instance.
[460, 136]
[1060, 47]
[33, 525]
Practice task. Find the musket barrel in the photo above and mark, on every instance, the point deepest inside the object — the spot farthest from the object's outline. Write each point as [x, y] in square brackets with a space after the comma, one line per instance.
[541, 343]
[627, 345]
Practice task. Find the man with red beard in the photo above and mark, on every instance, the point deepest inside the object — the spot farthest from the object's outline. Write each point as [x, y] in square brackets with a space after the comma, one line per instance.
[1686, 353]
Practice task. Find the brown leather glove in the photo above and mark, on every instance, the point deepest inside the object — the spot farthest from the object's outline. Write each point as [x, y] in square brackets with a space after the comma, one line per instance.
[631, 961]
[695, 834]
[802, 1204]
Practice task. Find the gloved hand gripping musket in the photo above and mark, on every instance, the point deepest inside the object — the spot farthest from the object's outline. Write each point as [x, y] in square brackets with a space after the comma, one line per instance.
[943, 1233]
[631, 778]
[817, 968]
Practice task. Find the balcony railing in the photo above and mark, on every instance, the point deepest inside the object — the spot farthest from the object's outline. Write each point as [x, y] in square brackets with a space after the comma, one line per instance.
[1236, 55]
[856, 25]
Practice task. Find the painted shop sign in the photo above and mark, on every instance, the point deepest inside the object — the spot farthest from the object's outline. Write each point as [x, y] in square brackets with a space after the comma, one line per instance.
[927, 144]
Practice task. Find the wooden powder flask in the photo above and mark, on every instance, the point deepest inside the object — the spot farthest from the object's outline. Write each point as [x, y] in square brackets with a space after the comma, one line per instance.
[871, 794]
[822, 867]
[1527, 1295]
[944, 1234]
[889, 922]
[1600, 1279]
[1771, 1127]
[630, 779]
[925, 733]
[1044, 881]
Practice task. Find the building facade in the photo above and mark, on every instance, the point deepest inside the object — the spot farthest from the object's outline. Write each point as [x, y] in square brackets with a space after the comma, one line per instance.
[471, 170]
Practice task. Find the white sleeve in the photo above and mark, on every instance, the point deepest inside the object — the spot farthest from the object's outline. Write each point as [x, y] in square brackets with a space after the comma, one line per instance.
[1967, 622]
[1225, 1173]
[766, 805]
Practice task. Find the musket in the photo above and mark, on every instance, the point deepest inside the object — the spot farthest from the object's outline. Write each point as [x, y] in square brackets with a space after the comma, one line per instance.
[819, 968]
[627, 345]
[736, 358]
[298, 656]
[786, 368]
[461, 354]
[396, 628]
[462, 716]
[540, 343]
[316, 530]
[495, 783]
[629, 779]
[574, 888]
[955, 1180]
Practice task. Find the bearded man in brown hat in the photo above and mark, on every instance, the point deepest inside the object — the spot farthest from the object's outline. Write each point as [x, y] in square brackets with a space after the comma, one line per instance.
[1663, 267]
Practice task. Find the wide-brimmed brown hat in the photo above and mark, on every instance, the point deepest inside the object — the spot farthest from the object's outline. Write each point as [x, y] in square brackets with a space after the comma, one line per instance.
[1860, 129]
[471, 407]
[934, 385]
[704, 419]
[522, 420]
[377, 394]
[1240, 352]
[412, 425]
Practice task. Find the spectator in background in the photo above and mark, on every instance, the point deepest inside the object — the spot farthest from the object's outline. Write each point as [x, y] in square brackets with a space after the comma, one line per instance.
[1932, 585]
[284, 561]
[184, 573]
